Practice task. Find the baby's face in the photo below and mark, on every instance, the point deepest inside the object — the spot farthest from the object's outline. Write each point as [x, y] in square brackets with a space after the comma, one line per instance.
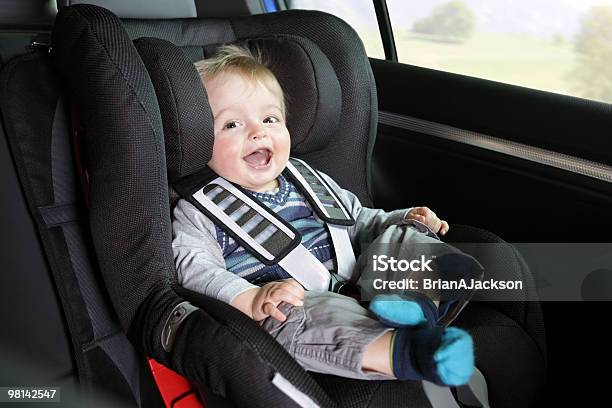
[251, 146]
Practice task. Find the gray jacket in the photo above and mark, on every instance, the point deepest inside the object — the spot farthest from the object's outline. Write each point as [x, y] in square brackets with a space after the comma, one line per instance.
[199, 261]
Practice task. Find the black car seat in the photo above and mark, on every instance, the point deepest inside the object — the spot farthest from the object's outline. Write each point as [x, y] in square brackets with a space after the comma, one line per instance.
[59, 327]
[124, 143]
[308, 78]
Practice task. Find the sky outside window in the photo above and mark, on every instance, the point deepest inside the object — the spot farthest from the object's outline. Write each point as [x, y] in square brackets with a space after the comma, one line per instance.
[360, 14]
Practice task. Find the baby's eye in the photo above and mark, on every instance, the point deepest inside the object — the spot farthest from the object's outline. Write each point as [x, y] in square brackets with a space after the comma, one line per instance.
[271, 119]
[231, 125]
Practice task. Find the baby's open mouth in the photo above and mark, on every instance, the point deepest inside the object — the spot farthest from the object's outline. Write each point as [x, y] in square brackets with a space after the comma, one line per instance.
[259, 158]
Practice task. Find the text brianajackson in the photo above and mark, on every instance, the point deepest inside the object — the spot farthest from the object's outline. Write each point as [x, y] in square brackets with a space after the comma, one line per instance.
[441, 284]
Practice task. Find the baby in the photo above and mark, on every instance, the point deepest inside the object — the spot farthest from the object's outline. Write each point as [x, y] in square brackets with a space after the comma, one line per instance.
[324, 331]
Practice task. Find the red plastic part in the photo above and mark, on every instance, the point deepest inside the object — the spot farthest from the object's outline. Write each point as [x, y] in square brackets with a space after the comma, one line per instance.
[189, 401]
[176, 390]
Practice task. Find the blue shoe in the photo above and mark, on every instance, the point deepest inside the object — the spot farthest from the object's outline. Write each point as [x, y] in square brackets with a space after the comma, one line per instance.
[402, 311]
[454, 358]
[442, 356]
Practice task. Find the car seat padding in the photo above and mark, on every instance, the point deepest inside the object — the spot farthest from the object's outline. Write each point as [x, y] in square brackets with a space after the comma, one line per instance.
[312, 92]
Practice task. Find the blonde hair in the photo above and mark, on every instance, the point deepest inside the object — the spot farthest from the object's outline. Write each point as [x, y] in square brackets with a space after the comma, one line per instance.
[234, 58]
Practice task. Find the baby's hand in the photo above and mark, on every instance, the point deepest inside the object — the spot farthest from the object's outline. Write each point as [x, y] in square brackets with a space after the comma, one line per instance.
[272, 294]
[429, 218]
[260, 303]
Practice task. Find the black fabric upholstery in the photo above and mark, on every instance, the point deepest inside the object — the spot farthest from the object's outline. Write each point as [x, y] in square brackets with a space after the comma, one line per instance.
[503, 262]
[142, 8]
[186, 115]
[375, 394]
[120, 115]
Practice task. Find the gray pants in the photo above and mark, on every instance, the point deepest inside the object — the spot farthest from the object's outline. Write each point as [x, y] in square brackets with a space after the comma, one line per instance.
[329, 334]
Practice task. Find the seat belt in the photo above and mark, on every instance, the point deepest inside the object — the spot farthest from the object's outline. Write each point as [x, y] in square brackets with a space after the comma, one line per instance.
[261, 231]
[474, 394]
[318, 192]
[272, 239]
[64, 214]
[439, 396]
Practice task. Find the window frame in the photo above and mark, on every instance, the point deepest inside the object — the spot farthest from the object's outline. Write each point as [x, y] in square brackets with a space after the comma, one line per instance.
[385, 29]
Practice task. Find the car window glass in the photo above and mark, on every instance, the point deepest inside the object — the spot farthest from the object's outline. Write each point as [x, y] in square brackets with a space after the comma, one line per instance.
[359, 14]
[27, 13]
[562, 46]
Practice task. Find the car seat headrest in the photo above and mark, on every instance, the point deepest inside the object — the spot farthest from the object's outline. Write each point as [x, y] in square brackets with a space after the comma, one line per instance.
[142, 8]
[186, 115]
[311, 87]
[166, 9]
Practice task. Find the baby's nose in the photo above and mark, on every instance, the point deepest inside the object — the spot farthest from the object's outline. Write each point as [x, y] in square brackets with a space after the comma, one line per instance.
[257, 132]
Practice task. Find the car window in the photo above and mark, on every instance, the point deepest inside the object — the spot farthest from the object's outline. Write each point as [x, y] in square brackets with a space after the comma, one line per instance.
[562, 46]
[20, 13]
[359, 14]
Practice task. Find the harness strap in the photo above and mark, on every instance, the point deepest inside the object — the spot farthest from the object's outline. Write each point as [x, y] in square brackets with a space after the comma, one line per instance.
[439, 396]
[330, 209]
[326, 203]
[345, 256]
[473, 394]
[58, 214]
[270, 238]
[107, 333]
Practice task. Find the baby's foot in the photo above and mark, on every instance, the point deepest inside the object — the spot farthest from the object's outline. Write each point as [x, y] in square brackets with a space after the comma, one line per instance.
[407, 310]
[442, 356]
[454, 359]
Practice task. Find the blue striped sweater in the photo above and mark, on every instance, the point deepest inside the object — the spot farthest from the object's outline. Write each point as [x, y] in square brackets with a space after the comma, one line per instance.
[290, 205]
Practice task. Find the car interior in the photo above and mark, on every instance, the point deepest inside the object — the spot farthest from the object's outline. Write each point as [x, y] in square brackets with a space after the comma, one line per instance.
[102, 115]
